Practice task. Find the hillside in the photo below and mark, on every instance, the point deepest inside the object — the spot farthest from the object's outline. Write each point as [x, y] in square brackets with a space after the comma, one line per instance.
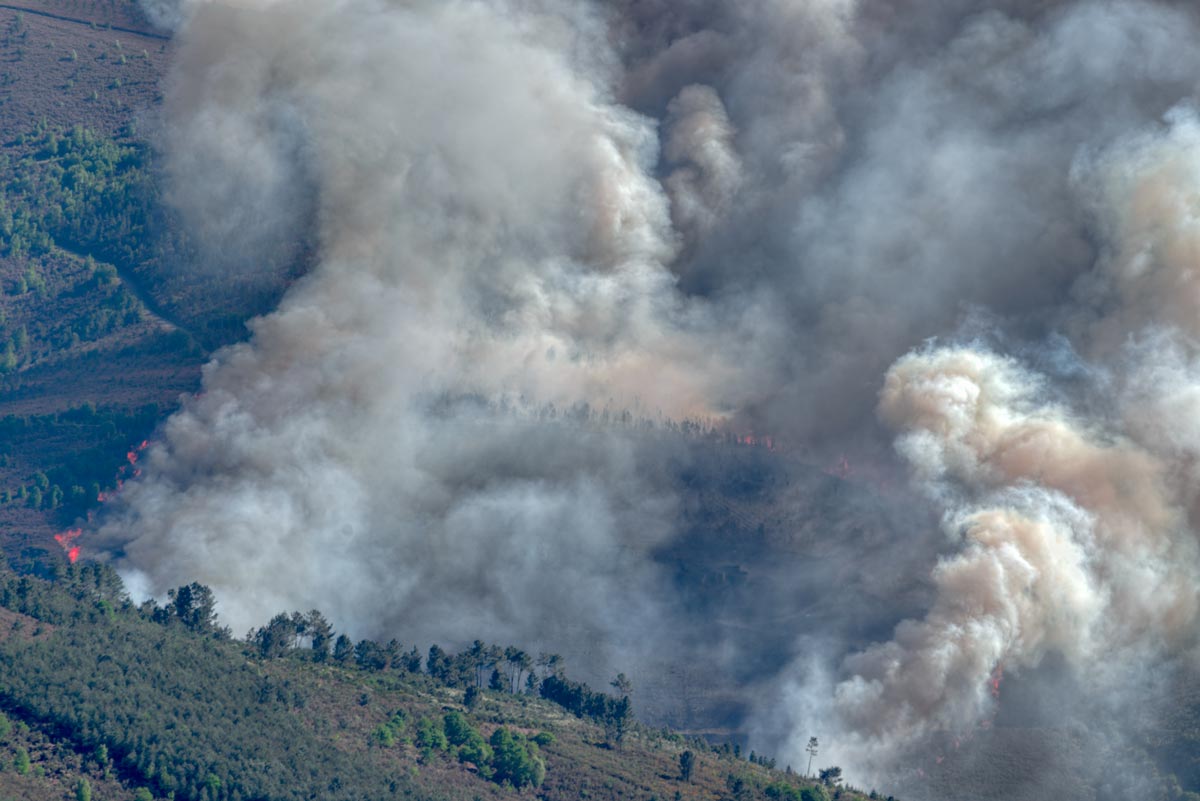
[129, 697]
[104, 319]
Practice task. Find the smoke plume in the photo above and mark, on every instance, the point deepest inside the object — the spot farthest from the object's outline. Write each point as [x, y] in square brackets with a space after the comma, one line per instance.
[953, 239]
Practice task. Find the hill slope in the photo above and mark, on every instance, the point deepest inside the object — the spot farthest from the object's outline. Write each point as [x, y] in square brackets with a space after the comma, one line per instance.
[129, 697]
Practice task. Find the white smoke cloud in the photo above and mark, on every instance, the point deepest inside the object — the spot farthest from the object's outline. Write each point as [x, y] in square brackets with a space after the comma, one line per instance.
[488, 227]
[701, 141]
[1143, 192]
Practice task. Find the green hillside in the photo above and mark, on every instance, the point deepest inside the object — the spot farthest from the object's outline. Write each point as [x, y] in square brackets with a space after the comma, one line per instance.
[160, 700]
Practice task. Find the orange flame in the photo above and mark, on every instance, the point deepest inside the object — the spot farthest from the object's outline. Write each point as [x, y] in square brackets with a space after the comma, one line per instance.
[67, 540]
[996, 678]
[136, 450]
[765, 441]
[105, 497]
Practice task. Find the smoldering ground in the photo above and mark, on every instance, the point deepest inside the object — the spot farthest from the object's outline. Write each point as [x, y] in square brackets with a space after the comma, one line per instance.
[755, 215]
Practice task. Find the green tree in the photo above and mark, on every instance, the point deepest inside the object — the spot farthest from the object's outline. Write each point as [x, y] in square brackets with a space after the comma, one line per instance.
[21, 763]
[468, 743]
[457, 729]
[430, 736]
[321, 633]
[549, 664]
[212, 783]
[518, 662]
[478, 657]
[831, 776]
[195, 606]
[393, 654]
[516, 760]
[369, 655]
[617, 717]
[388, 734]
[276, 638]
[814, 794]
[437, 663]
[781, 791]
[343, 649]
[524, 666]
[687, 761]
[83, 791]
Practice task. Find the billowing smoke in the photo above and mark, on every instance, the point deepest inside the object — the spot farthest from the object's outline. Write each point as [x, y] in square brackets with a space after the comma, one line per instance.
[490, 236]
[545, 229]
[1075, 509]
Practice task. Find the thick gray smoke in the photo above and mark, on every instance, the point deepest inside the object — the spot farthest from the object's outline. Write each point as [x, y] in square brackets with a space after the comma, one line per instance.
[755, 214]
[488, 227]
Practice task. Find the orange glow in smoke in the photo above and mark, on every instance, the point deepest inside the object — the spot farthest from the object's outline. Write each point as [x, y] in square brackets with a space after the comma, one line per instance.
[765, 441]
[996, 678]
